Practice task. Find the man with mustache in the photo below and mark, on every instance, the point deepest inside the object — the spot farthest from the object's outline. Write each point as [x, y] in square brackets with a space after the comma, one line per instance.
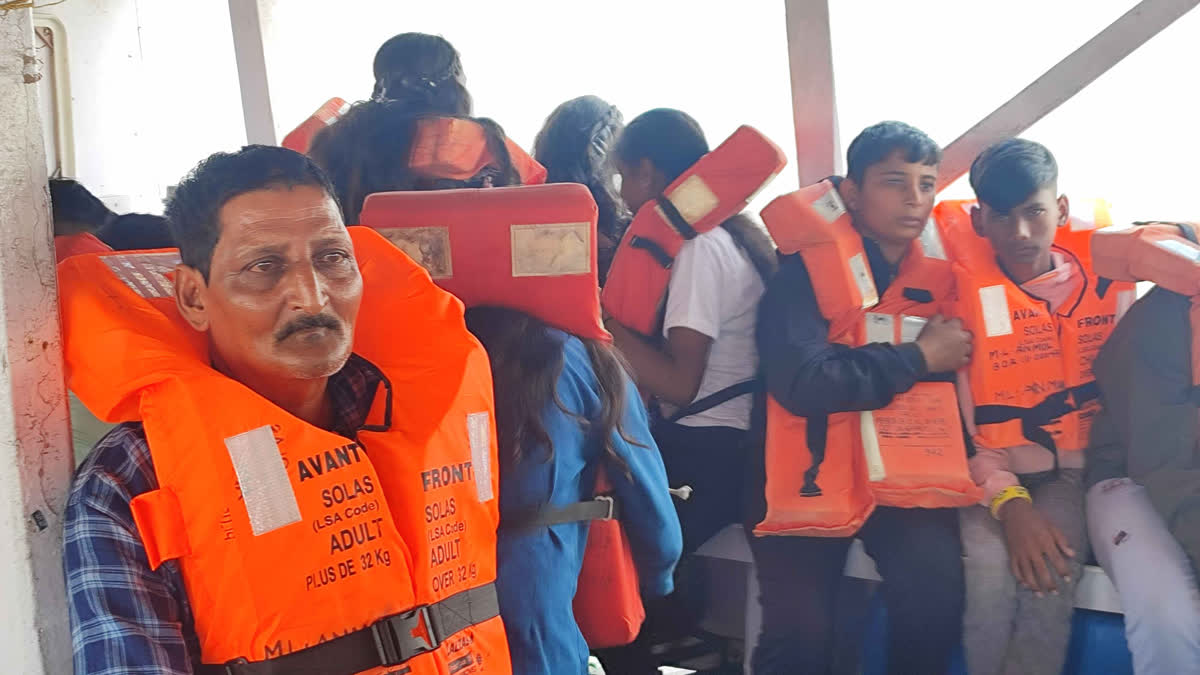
[278, 496]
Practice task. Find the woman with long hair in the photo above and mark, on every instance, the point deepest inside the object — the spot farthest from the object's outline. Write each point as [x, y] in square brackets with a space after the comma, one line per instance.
[565, 409]
[573, 145]
[423, 74]
[706, 344]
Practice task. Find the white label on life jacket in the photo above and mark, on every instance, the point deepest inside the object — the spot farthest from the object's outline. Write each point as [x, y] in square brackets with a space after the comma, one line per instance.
[693, 199]
[765, 183]
[829, 205]
[863, 280]
[931, 241]
[146, 273]
[1124, 302]
[479, 435]
[911, 327]
[429, 247]
[1179, 248]
[263, 480]
[551, 249]
[879, 327]
[876, 471]
[996, 319]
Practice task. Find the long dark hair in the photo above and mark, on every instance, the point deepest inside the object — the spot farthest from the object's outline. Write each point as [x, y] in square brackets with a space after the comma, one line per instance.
[673, 141]
[367, 151]
[573, 145]
[423, 74]
[527, 360]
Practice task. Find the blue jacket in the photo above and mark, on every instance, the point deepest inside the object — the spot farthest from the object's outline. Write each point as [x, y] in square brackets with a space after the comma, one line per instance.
[538, 570]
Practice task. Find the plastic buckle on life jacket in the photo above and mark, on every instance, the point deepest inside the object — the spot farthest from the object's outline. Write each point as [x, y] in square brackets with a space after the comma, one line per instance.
[400, 637]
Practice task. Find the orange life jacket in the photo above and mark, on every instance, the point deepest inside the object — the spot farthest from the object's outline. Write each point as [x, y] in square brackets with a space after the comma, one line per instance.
[716, 188]
[532, 249]
[67, 245]
[825, 477]
[446, 147]
[300, 139]
[528, 248]
[299, 547]
[1165, 253]
[1031, 371]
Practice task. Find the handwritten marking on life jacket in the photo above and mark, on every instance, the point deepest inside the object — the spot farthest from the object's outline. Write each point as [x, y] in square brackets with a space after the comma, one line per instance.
[429, 247]
[550, 249]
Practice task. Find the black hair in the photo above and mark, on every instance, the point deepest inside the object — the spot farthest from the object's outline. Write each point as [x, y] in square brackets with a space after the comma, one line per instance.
[573, 145]
[368, 149]
[1007, 173]
[527, 359]
[879, 141]
[136, 232]
[423, 73]
[75, 209]
[670, 139]
[192, 212]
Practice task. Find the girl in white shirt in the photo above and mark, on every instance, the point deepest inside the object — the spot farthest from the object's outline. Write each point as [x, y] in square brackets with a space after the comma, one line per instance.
[707, 342]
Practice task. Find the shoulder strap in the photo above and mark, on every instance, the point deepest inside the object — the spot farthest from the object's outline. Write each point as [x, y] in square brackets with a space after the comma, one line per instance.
[391, 641]
[600, 507]
[717, 398]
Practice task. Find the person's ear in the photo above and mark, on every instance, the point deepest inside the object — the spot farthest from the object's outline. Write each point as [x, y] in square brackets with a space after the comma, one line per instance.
[1064, 210]
[191, 297]
[977, 220]
[849, 192]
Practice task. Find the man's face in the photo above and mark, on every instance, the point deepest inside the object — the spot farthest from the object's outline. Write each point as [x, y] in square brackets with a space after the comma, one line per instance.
[894, 200]
[283, 290]
[1022, 236]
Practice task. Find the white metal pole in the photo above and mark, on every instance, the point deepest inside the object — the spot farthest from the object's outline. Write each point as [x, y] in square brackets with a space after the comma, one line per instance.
[248, 47]
[1064, 80]
[35, 443]
[814, 105]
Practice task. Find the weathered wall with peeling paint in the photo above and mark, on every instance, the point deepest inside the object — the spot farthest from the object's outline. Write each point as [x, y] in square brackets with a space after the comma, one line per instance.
[35, 447]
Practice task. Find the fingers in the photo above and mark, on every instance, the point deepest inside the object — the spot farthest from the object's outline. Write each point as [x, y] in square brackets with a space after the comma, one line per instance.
[1045, 577]
[1063, 545]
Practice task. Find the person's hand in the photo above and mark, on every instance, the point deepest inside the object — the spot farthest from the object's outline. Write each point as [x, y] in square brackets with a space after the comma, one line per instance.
[1036, 548]
[945, 345]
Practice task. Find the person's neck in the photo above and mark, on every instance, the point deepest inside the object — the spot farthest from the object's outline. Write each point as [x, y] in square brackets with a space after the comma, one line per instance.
[1024, 273]
[303, 398]
[893, 252]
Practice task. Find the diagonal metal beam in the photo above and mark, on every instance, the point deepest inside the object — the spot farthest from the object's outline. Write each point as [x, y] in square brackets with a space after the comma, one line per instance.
[1064, 80]
[814, 106]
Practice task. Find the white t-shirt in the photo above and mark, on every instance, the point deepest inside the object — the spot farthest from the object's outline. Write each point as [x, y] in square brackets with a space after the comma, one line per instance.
[715, 290]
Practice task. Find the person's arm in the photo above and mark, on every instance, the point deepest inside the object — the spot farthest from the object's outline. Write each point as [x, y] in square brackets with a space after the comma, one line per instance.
[672, 372]
[1144, 373]
[808, 375]
[647, 511]
[125, 617]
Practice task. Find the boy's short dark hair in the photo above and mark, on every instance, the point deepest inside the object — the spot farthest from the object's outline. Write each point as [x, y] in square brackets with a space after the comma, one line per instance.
[192, 212]
[1008, 172]
[879, 141]
[76, 209]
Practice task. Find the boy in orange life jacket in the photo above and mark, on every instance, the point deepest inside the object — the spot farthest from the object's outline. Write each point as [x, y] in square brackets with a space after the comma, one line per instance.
[1023, 545]
[889, 192]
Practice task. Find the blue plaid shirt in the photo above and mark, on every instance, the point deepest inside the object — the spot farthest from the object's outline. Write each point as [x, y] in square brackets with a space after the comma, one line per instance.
[127, 619]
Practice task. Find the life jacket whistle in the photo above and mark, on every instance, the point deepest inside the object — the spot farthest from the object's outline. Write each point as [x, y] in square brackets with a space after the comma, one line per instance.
[717, 187]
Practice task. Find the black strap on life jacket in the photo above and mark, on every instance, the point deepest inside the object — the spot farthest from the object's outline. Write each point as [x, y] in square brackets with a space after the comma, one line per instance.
[675, 218]
[389, 642]
[717, 398]
[656, 251]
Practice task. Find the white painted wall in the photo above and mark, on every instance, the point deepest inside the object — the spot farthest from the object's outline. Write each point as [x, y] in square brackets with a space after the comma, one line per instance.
[154, 89]
[35, 456]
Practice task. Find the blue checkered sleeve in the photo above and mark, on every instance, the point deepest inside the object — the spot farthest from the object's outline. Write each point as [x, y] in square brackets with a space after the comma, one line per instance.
[126, 619]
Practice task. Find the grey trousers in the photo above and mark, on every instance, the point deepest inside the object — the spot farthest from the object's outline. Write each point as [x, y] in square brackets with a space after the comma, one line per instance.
[1007, 630]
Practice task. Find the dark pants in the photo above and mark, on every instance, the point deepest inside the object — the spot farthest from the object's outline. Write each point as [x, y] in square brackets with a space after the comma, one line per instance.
[712, 461]
[919, 557]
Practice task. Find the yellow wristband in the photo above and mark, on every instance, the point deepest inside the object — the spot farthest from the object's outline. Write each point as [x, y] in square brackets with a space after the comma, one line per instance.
[1007, 495]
